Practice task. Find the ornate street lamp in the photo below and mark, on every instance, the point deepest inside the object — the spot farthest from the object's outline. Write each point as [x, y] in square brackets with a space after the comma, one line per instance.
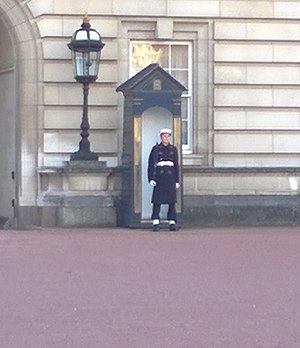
[86, 46]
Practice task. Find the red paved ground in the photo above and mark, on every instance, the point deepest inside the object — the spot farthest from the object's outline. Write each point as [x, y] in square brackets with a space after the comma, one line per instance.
[118, 288]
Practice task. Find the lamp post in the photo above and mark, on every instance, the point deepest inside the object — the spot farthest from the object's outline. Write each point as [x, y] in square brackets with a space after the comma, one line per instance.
[86, 46]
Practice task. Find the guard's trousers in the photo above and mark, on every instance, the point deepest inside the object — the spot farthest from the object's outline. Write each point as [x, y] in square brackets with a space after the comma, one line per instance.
[171, 212]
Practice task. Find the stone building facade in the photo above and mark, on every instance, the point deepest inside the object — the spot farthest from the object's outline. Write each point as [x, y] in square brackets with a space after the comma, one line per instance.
[242, 129]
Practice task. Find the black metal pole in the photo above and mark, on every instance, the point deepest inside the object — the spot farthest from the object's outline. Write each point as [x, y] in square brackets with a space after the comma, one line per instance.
[84, 153]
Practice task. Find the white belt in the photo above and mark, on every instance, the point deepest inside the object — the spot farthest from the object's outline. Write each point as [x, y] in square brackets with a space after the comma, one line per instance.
[165, 163]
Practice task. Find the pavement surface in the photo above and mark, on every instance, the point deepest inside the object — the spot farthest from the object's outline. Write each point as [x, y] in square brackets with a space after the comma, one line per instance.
[119, 288]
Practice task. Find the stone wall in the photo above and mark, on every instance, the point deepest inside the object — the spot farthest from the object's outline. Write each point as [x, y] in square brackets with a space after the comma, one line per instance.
[246, 87]
[250, 116]
[241, 196]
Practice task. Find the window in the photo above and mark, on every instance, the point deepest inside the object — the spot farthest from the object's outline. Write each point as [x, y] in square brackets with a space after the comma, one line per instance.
[175, 58]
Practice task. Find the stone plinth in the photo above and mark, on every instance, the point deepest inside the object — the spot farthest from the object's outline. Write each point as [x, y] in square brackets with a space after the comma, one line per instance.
[80, 194]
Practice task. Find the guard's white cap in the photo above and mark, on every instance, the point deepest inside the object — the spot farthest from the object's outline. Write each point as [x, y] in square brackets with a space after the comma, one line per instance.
[165, 131]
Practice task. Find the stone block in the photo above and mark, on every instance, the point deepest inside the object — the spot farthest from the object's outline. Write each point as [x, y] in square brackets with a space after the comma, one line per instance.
[62, 94]
[107, 28]
[273, 31]
[273, 119]
[55, 161]
[63, 72]
[99, 201]
[260, 184]
[230, 30]
[193, 159]
[256, 161]
[7, 64]
[28, 216]
[51, 182]
[27, 97]
[230, 74]
[238, 183]
[32, 217]
[246, 9]
[86, 182]
[51, 27]
[190, 8]
[139, 8]
[235, 143]
[28, 196]
[83, 6]
[48, 216]
[289, 143]
[246, 52]
[59, 142]
[87, 217]
[258, 97]
[164, 28]
[115, 183]
[287, 53]
[104, 142]
[286, 9]
[58, 72]
[214, 184]
[256, 119]
[29, 72]
[62, 118]
[287, 97]
[189, 183]
[23, 32]
[39, 7]
[58, 49]
[99, 118]
[27, 50]
[60, 160]
[256, 31]
[229, 119]
[257, 74]
[62, 142]
[242, 210]
[285, 75]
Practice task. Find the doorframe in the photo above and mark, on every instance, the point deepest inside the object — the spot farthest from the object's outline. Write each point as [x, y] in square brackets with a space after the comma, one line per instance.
[24, 36]
[152, 132]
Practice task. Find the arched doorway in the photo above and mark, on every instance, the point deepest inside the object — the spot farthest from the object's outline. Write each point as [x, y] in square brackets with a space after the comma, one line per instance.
[19, 59]
[7, 126]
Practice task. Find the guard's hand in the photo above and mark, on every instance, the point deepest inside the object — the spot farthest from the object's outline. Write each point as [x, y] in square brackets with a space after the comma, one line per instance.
[152, 183]
[177, 185]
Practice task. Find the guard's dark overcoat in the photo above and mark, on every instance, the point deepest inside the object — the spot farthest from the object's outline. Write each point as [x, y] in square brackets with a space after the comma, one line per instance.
[166, 177]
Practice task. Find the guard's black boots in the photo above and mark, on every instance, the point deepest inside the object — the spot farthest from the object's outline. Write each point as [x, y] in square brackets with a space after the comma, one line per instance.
[173, 227]
[155, 228]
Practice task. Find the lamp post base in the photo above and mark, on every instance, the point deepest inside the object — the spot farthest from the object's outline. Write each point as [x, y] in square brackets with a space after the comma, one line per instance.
[84, 156]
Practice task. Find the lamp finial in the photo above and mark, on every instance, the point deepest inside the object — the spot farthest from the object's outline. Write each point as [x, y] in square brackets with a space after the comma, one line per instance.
[86, 21]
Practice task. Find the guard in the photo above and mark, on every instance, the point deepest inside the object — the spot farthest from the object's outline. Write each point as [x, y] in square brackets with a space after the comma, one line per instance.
[163, 175]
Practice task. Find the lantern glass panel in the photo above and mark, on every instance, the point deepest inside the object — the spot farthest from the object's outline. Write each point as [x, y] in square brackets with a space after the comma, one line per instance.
[77, 63]
[94, 35]
[86, 63]
[81, 35]
[94, 59]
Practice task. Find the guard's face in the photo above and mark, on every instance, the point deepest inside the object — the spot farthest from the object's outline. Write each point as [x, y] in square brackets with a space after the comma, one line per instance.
[165, 138]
